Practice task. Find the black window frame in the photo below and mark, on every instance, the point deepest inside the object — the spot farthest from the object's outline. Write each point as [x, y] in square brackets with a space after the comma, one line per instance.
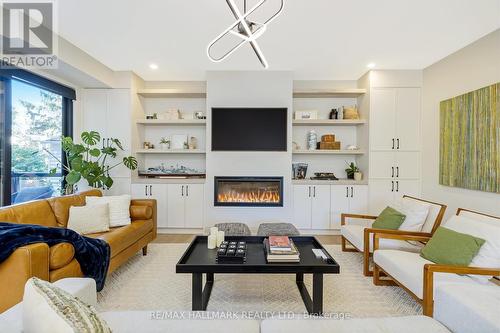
[68, 96]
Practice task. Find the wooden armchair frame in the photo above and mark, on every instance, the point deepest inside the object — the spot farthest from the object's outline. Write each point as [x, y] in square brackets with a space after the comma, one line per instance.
[368, 231]
[429, 269]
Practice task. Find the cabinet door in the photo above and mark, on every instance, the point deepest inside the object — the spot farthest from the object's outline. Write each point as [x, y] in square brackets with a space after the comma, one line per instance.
[382, 165]
[358, 200]
[302, 206]
[194, 194]
[339, 203]
[407, 187]
[408, 112]
[382, 118]
[320, 207]
[381, 194]
[176, 206]
[95, 104]
[407, 165]
[139, 191]
[153, 191]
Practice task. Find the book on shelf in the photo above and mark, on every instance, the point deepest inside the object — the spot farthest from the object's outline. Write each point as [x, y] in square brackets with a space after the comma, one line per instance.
[277, 256]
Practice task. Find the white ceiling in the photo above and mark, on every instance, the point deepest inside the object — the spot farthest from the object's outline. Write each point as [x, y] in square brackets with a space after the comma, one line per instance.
[317, 39]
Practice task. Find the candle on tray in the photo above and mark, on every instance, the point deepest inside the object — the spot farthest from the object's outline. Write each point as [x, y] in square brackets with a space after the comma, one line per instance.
[213, 231]
[220, 237]
[212, 241]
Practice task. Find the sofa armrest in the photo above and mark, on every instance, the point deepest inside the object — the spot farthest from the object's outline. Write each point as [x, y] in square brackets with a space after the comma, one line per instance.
[398, 235]
[151, 204]
[24, 263]
[343, 217]
[430, 269]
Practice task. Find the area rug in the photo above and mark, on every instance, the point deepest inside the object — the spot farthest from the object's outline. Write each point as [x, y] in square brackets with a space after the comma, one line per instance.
[150, 283]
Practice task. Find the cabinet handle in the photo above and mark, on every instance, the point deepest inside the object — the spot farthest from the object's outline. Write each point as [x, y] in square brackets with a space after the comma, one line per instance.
[309, 191]
[347, 191]
[187, 190]
[398, 144]
[392, 175]
[392, 190]
[182, 190]
[352, 191]
[314, 193]
[392, 143]
[397, 172]
[397, 186]
[150, 189]
[146, 190]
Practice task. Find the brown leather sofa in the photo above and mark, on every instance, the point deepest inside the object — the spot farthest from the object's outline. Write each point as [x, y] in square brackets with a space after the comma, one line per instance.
[57, 262]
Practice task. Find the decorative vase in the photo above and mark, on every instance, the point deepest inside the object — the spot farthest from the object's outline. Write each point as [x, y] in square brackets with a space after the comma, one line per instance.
[312, 140]
[358, 176]
[165, 146]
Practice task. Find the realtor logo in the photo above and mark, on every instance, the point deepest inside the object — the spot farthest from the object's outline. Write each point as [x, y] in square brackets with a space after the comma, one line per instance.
[28, 36]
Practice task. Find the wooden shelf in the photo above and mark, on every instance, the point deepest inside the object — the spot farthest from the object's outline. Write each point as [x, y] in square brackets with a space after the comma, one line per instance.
[171, 93]
[339, 93]
[170, 151]
[328, 152]
[177, 122]
[329, 122]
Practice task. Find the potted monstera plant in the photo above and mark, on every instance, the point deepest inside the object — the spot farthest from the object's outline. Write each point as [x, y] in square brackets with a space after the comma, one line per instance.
[91, 160]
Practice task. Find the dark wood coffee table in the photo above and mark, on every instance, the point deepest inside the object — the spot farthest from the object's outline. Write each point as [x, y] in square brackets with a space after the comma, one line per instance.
[199, 260]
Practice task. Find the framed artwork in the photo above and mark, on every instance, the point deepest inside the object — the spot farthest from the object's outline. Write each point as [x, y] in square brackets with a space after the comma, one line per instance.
[470, 140]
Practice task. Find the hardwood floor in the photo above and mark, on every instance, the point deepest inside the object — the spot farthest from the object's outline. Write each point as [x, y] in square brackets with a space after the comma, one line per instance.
[185, 238]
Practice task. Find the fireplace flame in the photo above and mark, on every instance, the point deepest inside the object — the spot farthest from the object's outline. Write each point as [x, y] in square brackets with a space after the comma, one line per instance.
[258, 196]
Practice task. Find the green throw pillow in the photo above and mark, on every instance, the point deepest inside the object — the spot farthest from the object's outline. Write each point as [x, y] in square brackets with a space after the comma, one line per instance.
[451, 248]
[389, 219]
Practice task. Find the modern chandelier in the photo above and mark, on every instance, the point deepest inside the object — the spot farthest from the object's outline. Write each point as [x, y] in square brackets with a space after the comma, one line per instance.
[249, 31]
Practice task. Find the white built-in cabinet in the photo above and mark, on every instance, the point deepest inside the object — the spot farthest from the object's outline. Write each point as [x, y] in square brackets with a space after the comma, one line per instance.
[395, 136]
[178, 205]
[319, 207]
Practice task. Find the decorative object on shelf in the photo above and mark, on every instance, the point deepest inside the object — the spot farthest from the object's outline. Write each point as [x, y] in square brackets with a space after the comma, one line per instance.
[358, 176]
[88, 161]
[172, 172]
[172, 114]
[469, 128]
[324, 176]
[299, 170]
[232, 252]
[193, 143]
[150, 117]
[351, 112]
[295, 146]
[148, 145]
[328, 142]
[312, 140]
[179, 141]
[306, 115]
[352, 168]
[245, 29]
[199, 115]
[164, 143]
[340, 113]
[333, 114]
[220, 237]
[352, 147]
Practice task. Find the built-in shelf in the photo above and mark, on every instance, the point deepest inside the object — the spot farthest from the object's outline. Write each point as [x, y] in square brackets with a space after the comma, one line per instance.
[329, 182]
[171, 93]
[329, 122]
[323, 93]
[176, 122]
[328, 152]
[170, 151]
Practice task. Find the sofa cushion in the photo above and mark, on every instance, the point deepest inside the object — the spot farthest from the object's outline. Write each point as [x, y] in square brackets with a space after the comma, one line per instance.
[72, 269]
[389, 218]
[470, 308]
[176, 322]
[60, 205]
[355, 235]
[415, 211]
[120, 238]
[36, 212]
[408, 269]
[89, 219]
[119, 208]
[411, 324]
[60, 255]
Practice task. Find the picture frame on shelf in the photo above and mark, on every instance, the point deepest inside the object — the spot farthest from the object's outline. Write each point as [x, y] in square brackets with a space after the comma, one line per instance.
[306, 115]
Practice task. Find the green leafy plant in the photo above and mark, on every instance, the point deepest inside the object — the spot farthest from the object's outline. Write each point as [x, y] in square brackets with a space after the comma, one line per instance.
[88, 159]
[351, 169]
[164, 141]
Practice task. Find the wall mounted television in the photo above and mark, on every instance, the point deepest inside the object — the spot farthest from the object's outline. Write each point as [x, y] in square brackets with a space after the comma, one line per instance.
[249, 129]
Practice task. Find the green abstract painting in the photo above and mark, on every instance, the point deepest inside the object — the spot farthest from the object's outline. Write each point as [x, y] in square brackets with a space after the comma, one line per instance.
[470, 140]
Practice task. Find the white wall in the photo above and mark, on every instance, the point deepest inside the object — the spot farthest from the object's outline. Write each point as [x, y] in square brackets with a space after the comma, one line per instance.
[248, 89]
[470, 68]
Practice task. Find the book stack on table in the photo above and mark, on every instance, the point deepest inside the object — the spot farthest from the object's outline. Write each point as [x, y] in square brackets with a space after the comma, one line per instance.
[281, 249]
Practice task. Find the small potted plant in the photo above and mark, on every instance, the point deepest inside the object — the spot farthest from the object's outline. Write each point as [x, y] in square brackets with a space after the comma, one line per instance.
[353, 171]
[164, 143]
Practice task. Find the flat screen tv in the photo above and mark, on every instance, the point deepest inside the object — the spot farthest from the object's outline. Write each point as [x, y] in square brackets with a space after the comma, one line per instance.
[249, 129]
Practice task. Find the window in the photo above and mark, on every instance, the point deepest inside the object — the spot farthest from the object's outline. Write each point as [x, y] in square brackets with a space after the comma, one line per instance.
[35, 113]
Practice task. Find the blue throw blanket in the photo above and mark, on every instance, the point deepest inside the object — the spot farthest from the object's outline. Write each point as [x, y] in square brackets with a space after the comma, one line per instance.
[92, 254]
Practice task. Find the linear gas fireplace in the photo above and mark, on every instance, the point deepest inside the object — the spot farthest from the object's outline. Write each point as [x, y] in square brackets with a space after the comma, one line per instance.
[248, 191]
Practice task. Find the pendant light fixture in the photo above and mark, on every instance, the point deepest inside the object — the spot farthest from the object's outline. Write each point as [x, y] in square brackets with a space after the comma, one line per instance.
[248, 31]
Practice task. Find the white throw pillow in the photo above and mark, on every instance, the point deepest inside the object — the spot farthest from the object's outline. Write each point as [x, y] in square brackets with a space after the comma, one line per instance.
[489, 254]
[119, 208]
[49, 309]
[416, 213]
[89, 219]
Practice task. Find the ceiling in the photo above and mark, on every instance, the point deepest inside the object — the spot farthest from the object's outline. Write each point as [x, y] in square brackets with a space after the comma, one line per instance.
[317, 39]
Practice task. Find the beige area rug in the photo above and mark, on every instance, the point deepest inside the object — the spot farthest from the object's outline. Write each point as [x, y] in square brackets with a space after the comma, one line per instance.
[150, 283]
